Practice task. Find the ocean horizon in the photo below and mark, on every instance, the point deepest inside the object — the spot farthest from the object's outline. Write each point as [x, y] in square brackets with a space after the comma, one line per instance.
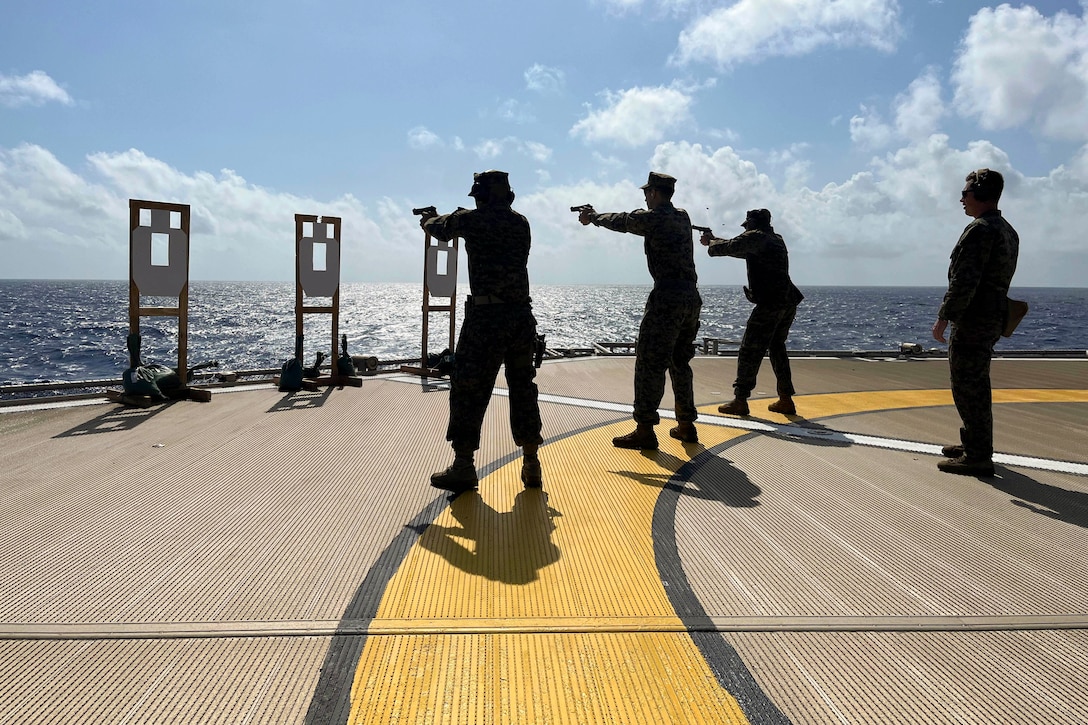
[72, 330]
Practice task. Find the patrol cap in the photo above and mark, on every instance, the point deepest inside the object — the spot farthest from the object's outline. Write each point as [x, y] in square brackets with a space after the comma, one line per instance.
[757, 218]
[488, 179]
[986, 183]
[660, 181]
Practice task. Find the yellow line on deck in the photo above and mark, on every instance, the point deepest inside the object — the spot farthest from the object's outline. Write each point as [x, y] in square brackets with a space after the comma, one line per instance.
[828, 404]
[582, 549]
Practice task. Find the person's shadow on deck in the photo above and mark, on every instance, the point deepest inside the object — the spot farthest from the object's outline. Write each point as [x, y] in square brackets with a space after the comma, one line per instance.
[705, 476]
[510, 547]
[809, 432]
[1042, 498]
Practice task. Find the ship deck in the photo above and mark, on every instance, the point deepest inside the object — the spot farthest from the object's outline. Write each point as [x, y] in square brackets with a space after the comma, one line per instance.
[280, 558]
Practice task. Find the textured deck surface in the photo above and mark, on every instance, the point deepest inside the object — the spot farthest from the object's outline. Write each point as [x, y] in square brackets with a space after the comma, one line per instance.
[272, 558]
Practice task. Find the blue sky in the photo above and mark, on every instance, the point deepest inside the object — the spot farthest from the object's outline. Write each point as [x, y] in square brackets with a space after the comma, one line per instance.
[853, 121]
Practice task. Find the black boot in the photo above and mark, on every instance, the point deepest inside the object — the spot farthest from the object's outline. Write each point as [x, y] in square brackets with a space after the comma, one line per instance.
[531, 475]
[641, 438]
[965, 466]
[459, 477]
[736, 406]
[685, 432]
[783, 405]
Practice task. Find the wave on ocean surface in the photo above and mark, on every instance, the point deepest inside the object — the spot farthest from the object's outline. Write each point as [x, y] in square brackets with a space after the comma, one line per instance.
[54, 331]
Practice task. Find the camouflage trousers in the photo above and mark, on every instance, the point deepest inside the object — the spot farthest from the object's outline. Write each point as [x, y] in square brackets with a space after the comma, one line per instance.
[666, 341]
[765, 334]
[969, 354]
[492, 336]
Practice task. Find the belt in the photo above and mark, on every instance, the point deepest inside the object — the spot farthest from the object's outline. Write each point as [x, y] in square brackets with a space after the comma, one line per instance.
[676, 285]
[476, 300]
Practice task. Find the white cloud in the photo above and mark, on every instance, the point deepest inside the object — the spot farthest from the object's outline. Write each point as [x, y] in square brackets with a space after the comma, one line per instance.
[636, 116]
[514, 111]
[917, 111]
[490, 148]
[751, 29]
[495, 147]
[725, 135]
[620, 7]
[607, 165]
[12, 227]
[422, 137]
[538, 151]
[543, 79]
[34, 89]
[869, 131]
[794, 167]
[62, 223]
[1017, 67]
[893, 222]
[56, 223]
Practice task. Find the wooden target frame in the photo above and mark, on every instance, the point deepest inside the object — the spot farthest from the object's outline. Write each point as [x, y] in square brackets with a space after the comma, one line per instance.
[437, 283]
[325, 282]
[149, 277]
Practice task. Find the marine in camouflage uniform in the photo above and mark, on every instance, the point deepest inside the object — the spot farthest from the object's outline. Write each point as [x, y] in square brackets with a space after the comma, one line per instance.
[498, 329]
[670, 322]
[976, 304]
[776, 299]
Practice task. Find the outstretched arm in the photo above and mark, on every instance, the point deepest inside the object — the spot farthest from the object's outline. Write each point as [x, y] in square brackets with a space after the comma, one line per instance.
[740, 246]
[442, 227]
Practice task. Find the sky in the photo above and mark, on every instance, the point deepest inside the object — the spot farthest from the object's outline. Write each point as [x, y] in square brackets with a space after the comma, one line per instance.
[853, 121]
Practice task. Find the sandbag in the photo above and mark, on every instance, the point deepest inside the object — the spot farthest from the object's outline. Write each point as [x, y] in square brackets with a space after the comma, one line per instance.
[150, 380]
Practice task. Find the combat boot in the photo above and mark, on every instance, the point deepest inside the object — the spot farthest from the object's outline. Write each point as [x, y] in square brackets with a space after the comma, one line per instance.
[952, 451]
[783, 405]
[531, 475]
[737, 406]
[685, 432]
[458, 478]
[641, 438]
[964, 466]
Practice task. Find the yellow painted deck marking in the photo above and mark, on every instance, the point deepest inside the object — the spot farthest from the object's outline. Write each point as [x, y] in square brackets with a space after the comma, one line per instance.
[581, 558]
[583, 552]
[823, 405]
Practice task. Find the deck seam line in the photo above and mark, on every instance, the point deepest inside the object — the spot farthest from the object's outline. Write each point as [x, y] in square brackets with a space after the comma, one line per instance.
[560, 625]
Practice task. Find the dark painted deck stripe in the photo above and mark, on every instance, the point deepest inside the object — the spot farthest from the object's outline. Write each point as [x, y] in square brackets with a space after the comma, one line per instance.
[732, 674]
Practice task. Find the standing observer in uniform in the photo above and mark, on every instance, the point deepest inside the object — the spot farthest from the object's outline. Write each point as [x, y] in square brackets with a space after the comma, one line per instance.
[776, 299]
[666, 336]
[498, 329]
[976, 303]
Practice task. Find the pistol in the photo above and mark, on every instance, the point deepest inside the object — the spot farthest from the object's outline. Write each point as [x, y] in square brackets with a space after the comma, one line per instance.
[428, 210]
[538, 354]
[582, 208]
[708, 230]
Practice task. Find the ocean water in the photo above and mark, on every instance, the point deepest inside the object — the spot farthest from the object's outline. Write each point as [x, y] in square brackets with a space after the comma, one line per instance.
[60, 331]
